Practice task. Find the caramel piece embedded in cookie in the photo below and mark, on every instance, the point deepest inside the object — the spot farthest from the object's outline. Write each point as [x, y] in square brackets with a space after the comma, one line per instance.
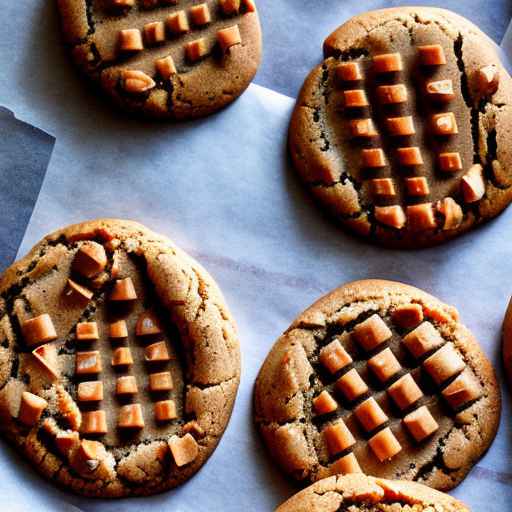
[409, 156]
[38, 330]
[355, 98]
[392, 94]
[451, 211]
[420, 217]
[249, 5]
[444, 124]
[373, 158]
[87, 331]
[46, 356]
[450, 162]
[346, 464]
[384, 365]
[177, 23]
[147, 324]
[417, 187]
[349, 72]
[200, 14]
[228, 37]
[385, 445]
[387, 63]
[161, 381]
[123, 290]
[440, 90]
[130, 416]
[472, 184]
[324, 403]
[464, 389]
[383, 187]
[407, 316]
[91, 391]
[230, 7]
[400, 126]
[420, 423]
[422, 340]
[372, 332]
[444, 363]
[130, 40]
[87, 363]
[165, 410]
[154, 32]
[405, 392]
[392, 216]
[352, 385]
[184, 449]
[31, 408]
[122, 356]
[136, 82]
[193, 428]
[487, 80]
[370, 414]
[79, 291]
[195, 50]
[432, 55]
[157, 352]
[334, 357]
[67, 441]
[165, 67]
[338, 437]
[126, 385]
[94, 422]
[118, 329]
[363, 128]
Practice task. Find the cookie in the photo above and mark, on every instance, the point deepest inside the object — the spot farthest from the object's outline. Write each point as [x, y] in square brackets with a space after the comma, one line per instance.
[119, 360]
[507, 342]
[361, 493]
[176, 59]
[401, 133]
[381, 378]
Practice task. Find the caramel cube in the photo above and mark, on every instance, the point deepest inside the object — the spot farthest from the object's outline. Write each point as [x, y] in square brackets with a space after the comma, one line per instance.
[384, 365]
[90, 259]
[87, 363]
[351, 385]
[94, 422]
[334, 357]
[451, 211]
[363, 128]
[387, 63]
[67, 441]
[487, 80]
[87, 331]
[249, 5]
[38, 330]
[405, 392]
[122, 356]
[123, 3]
[370, 414]
[228, 37]
[184, 449]
[130, 40]
[193, 428]
[385, 445]
[195, 50]
[409, 156]
[79, 291]
[355, 98]
[440, 90]
[165, 410]
[147, 324]
[126, 385]
[91, 391]
[134, 82]
[324, 403]
[400, 126]
[444, 124]
[392, 216]
[161, 381]
[423, 339]
[392, 94]
[130, 416]
[200, 14]
[157, 352]
[123, 290]
[420, 423]
[46, 356]
[31, 408]
[165, 67]
[118, 329]
[407, 316]
[450, 162]
[421, 217]
[431, 55]
[345, 465]
[349, 72]
[473, 185]
[230, 7]
[417, 187]
[154, 32]
[373, 158]
[444, 363]
[464, 389]
[338, 437]
[372, 332]
[177, 23]
[382, 187]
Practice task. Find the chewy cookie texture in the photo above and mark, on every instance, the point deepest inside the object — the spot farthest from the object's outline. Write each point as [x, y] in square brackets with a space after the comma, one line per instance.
[119, 361]
[361, 493]
[402, 132]
[175, 59]
[378, 378]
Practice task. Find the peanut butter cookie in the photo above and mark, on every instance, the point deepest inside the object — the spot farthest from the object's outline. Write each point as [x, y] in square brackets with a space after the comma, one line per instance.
[119, 361]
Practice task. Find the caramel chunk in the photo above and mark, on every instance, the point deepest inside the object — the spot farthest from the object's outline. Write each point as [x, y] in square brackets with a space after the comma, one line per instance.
[464, 389]
[147, 324]
[451, 211]
[177, 23]
[249, 5]
[123, 290]
[370, 414]
[400, 126]
[349, 72]
[385, 445]
[392, 216]
[372, 332]
[405, 392]
[67, 441]
[487, 80]
[417, 187]
[392, 94]
[334, 357]
[440, 90]
[79, 291]
[383, 187]
[122, 3]
[91, 391]
[118, 329]
[432, 55]
[355, 98]
[423, 339]
[130, 416]
[165, 67]
[387, 63]
[136, 82]
[200, 14]
[444, 363]
[421, 217]
[38, 330]
[126, 385]
[87, 331]
[473, 185]
[31, 408]
[409, 156]
[87, 456]
[450, 162]
[130, 40]
[154, 32]
[161, 381]
[94, 422]
[338, 437]
[324, 403]
[228, 37]
[122, 356]
[362, 128]
[373, 158]
[87, 362]
[407, 316]
[46, 356]
[444, 124]
[184, 449]
[195, 50]
[351, 385]
[420, 423]
[193, 428]
[384, 365]
[165, 410]
[230, 7]
[345, 465]
[157, 352]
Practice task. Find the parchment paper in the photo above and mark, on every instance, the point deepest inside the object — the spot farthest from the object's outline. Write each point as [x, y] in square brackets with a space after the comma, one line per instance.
[222, 188]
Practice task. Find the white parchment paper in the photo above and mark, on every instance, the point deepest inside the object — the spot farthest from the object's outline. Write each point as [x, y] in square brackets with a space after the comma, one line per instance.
[223, 190]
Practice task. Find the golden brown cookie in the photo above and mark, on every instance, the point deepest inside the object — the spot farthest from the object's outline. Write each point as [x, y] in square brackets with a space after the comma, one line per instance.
[119, 360]
[402, 132]
[381, 378]
[176, 59]
[361, 493]
[507, 342]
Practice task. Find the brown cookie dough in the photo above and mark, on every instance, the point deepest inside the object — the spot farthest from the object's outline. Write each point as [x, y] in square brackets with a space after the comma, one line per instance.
[402, 132]
[119, 360]
[176, 59]
[381, 378]
[361, 493]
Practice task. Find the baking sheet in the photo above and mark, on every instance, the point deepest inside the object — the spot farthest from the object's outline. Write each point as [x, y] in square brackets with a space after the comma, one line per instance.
[223, 189]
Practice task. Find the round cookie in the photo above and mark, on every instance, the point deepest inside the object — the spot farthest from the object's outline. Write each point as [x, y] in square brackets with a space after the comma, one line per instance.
[401, 133]
[361, 493]
[119, 360]
[378, 377]
[175, 59]
[507, 342]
